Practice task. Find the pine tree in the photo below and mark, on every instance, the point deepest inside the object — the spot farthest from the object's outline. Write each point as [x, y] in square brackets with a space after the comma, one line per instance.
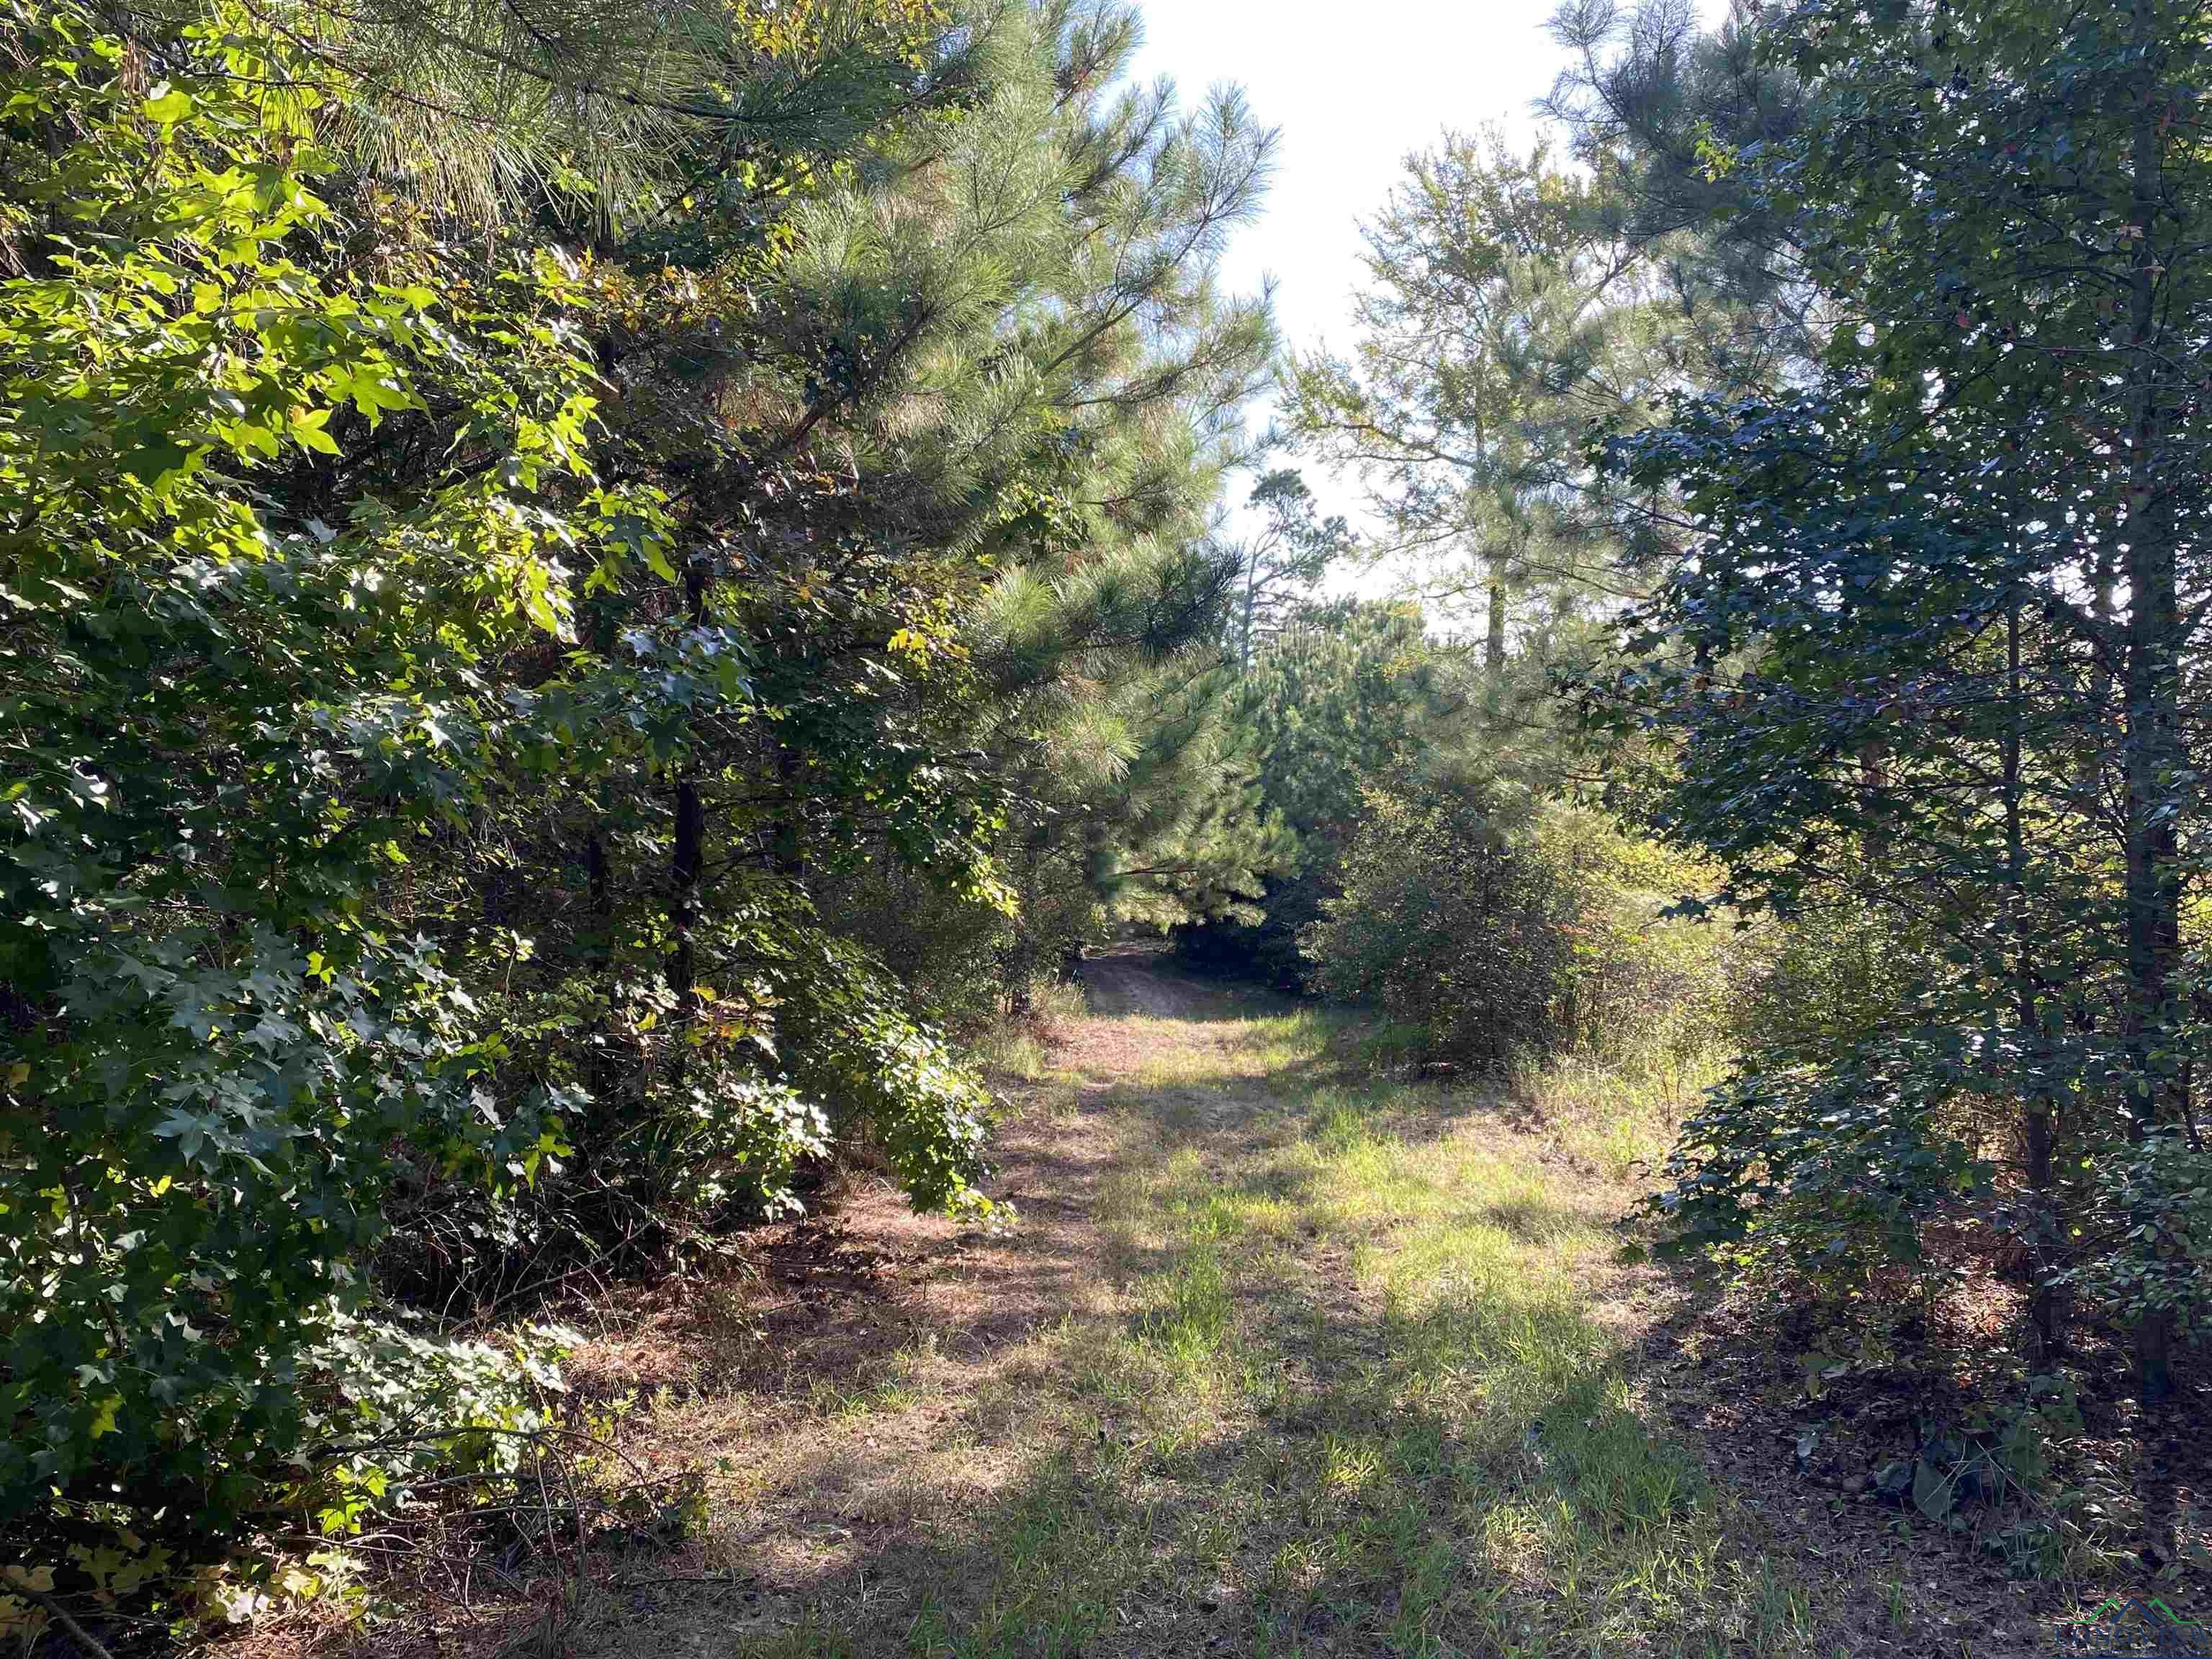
[1347, 696]
[1283, 560]
[477, 604]
[1503, 316]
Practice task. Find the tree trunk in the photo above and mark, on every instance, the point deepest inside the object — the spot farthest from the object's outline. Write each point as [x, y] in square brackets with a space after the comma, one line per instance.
[1493, 653]
[684, 868]
[597, 616]
[786, 848]
[1251, 581]
[599, 875]
[2151, 747]
[2039, 1130]
[687, 858]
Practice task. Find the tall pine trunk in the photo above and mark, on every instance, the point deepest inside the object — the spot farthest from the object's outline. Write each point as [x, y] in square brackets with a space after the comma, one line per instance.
[1493, 652]
[688, 855]
[1251, 582]
[2152, 751]
[2038, 1127]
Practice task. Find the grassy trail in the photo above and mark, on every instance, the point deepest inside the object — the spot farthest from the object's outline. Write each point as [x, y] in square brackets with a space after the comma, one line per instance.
[1283, 1358]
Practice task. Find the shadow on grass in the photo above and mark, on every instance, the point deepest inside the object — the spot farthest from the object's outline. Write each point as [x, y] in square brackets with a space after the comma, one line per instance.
[1359, 1501]
[1264, 1454]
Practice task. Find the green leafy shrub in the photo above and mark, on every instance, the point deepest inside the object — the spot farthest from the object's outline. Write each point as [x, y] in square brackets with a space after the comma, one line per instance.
[2146, 1220]
[888, 1077]
[395, 1407]
[1826, 980]
[224, 720]
[1500, 928]
[1440, 924]
[1824, 1172]
[727, 1107]
[1847, 1130]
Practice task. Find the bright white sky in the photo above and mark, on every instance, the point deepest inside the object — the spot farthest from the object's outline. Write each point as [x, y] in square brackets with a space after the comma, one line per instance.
[1354, 89]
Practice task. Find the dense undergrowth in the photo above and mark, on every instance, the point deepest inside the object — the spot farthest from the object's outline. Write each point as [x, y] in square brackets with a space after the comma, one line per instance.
[544, 676]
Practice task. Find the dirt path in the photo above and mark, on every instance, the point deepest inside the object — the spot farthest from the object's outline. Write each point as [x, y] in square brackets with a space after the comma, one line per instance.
[910, 1377]
[1081, 1435]
[1283, 1355]
[1133, 981]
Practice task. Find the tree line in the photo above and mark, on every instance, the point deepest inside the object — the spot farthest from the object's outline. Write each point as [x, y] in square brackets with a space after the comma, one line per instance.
[1799, 437]
[590, 599]
[1926, 670]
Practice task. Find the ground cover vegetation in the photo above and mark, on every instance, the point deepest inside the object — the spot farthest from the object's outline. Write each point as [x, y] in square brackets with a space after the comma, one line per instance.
[600, 607]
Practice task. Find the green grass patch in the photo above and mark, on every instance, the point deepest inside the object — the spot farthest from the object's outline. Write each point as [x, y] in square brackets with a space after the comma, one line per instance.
[1359, 1400]
[1363, 1397]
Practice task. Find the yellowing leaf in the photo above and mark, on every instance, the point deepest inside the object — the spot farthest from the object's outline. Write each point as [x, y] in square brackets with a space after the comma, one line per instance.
[167, 106]
[306, 426]
[20, 1620]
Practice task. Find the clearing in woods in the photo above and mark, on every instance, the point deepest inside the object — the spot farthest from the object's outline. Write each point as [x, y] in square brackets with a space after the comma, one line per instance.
[1283, 1356]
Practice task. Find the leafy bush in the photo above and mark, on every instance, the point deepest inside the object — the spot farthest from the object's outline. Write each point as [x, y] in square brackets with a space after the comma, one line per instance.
[1442, 923]
[2146, 1218]
[882, 1074]
[721, 1114]
[967, 965]
[1824, 1172]
[1826, 980]
[1500, 929]
[222, 723]
[1845, 1128]
[397, 1406]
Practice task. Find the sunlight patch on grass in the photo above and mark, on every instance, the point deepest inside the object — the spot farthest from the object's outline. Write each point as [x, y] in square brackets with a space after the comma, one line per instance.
[1619, 1113]
[1479, 1479]
[1014, 1051]
[1355, 1398]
